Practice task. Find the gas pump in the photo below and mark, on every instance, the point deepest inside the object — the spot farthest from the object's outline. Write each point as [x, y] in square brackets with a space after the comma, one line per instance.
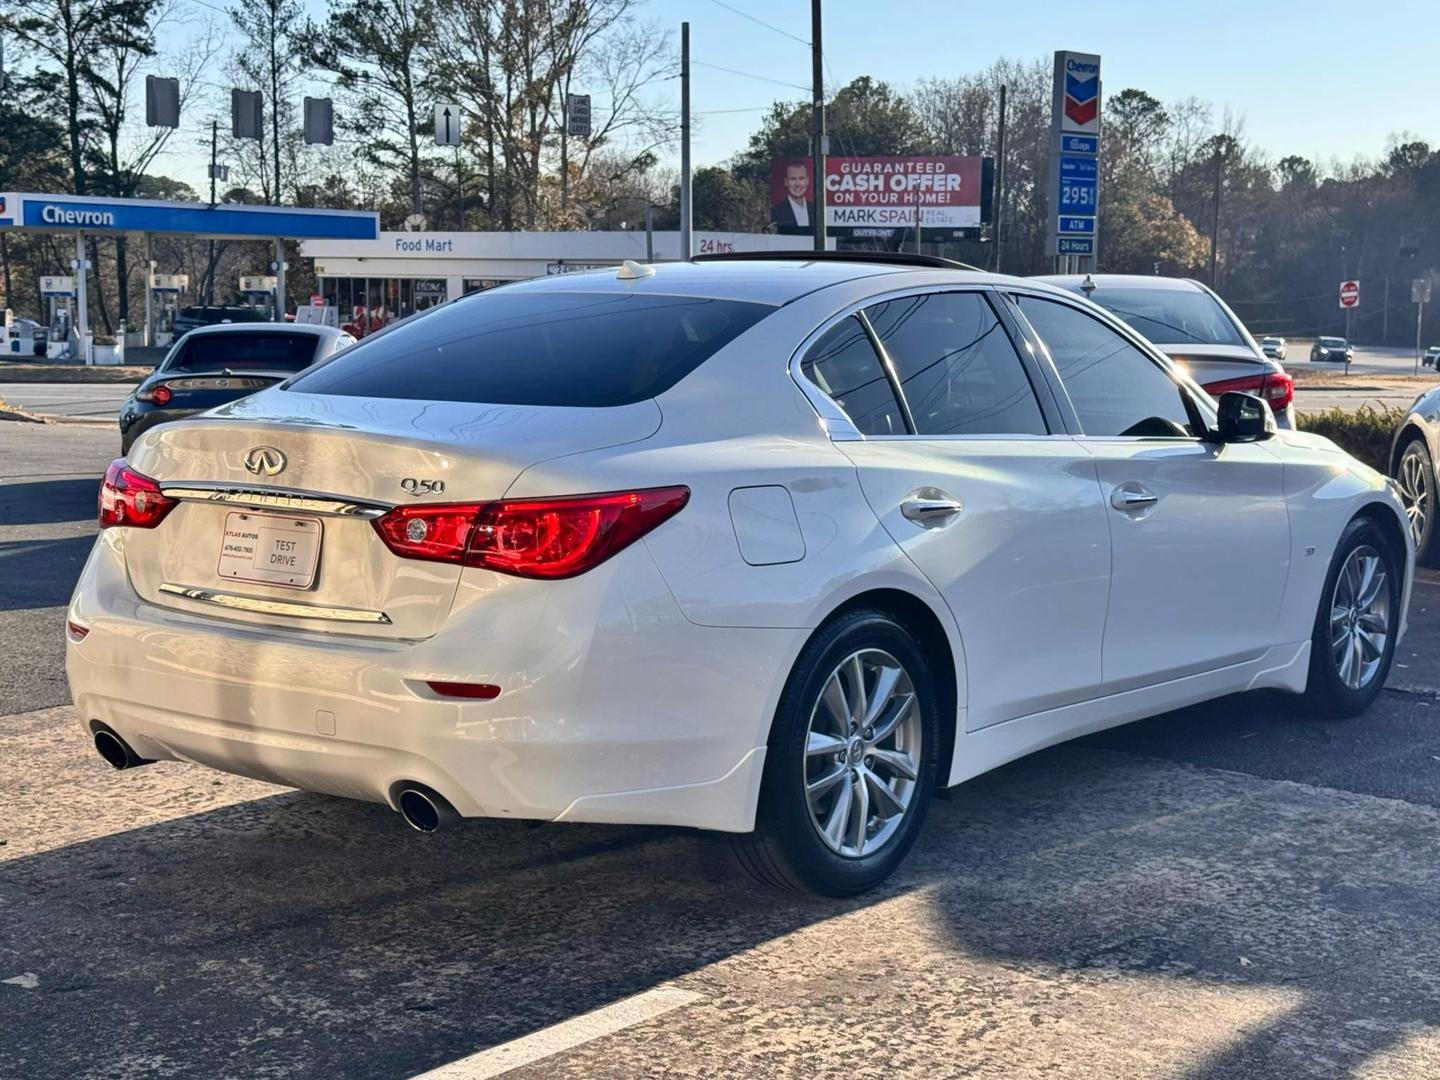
[58, 296]
[259, 293]
[166, 290]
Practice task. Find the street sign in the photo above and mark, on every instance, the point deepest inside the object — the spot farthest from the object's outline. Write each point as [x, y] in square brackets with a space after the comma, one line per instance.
[447, 124]
[1066, 245]
[577, 114]
[1349, 294]
[319, 121]
[169, 282]
[1420, 291]
[247, 114]
[257, 283]
[57, 286]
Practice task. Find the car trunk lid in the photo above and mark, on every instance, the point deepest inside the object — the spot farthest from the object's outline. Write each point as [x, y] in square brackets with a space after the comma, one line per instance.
[319, 470]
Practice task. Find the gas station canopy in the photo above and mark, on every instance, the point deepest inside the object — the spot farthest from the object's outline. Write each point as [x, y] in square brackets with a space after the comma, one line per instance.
[67, 213]
[81, 215]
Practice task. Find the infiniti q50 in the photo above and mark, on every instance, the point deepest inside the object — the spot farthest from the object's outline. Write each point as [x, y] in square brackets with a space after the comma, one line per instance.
[775, 547]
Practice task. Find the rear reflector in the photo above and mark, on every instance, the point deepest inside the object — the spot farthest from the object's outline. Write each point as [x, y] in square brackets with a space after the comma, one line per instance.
[478, 691]
[536, 538]
[1278, 388]
[75, 630]
[128, 498]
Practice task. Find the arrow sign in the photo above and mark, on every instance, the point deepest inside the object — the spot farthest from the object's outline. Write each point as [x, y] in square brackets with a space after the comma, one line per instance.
[447, 124]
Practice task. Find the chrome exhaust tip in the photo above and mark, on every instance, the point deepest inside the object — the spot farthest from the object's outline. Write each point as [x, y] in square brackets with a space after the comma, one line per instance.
[425, 810]
[116, 751]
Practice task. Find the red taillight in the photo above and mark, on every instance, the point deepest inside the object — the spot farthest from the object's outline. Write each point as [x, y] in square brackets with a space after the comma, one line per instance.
[159, 395]
[75, 630]
[1278, 388]
[537, 538]
[127, 498]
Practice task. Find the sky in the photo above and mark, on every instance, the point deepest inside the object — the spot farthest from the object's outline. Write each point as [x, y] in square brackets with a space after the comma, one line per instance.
[1318, 78]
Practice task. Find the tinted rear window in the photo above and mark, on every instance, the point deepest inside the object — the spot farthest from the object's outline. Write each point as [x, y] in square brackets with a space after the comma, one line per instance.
[539, 348]
[1171, 316]
[221, 314]
[244, 352]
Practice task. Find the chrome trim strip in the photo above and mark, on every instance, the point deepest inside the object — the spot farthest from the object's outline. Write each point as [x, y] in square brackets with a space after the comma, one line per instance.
[274, 499]
[276, 607]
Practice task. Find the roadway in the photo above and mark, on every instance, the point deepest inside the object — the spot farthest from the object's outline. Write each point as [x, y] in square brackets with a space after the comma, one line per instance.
[1234, 890]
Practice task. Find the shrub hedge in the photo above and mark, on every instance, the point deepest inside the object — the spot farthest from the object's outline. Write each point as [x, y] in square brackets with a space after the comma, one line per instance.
[1364, 433]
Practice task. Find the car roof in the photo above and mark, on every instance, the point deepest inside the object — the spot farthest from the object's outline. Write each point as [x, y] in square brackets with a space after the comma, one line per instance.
[762, 280]
[1073, 282]
[261, 328]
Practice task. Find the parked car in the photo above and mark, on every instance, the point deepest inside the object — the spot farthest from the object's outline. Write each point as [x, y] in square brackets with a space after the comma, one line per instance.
[1191, 324]
[213, 365]
[1331, 349]
[1414, 450]
[198, 315]
[1273, 347]
[1432, 355]
[773, 546]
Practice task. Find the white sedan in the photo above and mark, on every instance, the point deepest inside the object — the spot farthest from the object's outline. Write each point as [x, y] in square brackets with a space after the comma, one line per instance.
[771, 547]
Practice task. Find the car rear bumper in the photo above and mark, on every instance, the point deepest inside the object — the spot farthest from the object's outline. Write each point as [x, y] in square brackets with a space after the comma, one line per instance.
[613, 708]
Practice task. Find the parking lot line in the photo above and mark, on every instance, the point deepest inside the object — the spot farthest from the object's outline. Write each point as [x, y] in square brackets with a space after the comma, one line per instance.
[565, 1035]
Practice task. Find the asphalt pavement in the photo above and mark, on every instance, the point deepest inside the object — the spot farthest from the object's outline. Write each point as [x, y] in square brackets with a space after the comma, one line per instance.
[99, 402]
[1233, 890]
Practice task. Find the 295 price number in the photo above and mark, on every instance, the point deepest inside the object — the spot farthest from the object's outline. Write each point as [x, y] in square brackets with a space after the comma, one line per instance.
[1077, 198]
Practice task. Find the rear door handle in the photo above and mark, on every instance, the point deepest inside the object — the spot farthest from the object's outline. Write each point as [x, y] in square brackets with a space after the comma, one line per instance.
[1132, 496]
[930, 511]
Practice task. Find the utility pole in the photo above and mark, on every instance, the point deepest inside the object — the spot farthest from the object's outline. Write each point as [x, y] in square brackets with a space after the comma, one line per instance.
[1215, 223]
[686, 210]
[817, 123]
[649, 233]
[210, 258]
[999, 179]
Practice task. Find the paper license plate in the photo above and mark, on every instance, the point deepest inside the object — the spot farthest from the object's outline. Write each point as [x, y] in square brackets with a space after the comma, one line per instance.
[270, 549]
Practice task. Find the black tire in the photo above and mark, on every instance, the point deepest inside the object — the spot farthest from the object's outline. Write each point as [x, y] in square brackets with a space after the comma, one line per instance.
[786, 850]
[1415, 474]
[1327, 693]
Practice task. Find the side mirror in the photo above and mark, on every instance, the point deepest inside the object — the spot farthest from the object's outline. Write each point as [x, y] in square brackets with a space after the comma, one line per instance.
[1244, 418]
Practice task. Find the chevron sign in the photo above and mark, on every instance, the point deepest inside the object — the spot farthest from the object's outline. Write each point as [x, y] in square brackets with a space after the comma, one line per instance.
[1079, 93]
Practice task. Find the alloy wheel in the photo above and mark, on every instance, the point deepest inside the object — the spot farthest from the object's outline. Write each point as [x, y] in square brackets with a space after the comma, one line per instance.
[1360, 617]
[1416, 494]
[863, 753]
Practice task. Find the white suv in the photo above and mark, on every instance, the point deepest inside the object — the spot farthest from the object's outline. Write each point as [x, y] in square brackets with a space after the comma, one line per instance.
[773, 547]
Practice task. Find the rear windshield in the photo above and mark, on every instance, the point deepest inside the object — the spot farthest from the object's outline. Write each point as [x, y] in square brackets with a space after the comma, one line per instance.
[220, 314]
[538, 348]
[200, 352]
[1171, 315]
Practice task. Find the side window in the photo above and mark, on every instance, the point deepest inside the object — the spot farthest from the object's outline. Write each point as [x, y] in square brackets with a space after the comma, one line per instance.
[959, 372]
[1116, 389]
[844, 365]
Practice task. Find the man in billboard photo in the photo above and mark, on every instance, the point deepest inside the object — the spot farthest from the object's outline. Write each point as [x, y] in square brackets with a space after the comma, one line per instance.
[796, 210]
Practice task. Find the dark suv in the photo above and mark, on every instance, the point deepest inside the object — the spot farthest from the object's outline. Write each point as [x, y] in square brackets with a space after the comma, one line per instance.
[198, 315]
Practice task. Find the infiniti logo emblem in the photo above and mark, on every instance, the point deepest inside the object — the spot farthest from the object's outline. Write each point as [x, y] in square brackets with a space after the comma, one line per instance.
[264, 460]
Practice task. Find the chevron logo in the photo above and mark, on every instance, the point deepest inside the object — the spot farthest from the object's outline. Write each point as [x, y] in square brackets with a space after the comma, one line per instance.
[1082, 98]
[1082, 90]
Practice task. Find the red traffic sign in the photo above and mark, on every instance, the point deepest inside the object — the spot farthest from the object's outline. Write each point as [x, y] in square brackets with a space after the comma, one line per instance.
[1349, 294]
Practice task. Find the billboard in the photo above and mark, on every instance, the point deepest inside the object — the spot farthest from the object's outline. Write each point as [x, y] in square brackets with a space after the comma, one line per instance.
[881, 193]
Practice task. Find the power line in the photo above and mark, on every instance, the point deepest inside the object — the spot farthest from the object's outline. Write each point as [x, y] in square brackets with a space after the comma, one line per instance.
[748, 75]
[760, 22]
